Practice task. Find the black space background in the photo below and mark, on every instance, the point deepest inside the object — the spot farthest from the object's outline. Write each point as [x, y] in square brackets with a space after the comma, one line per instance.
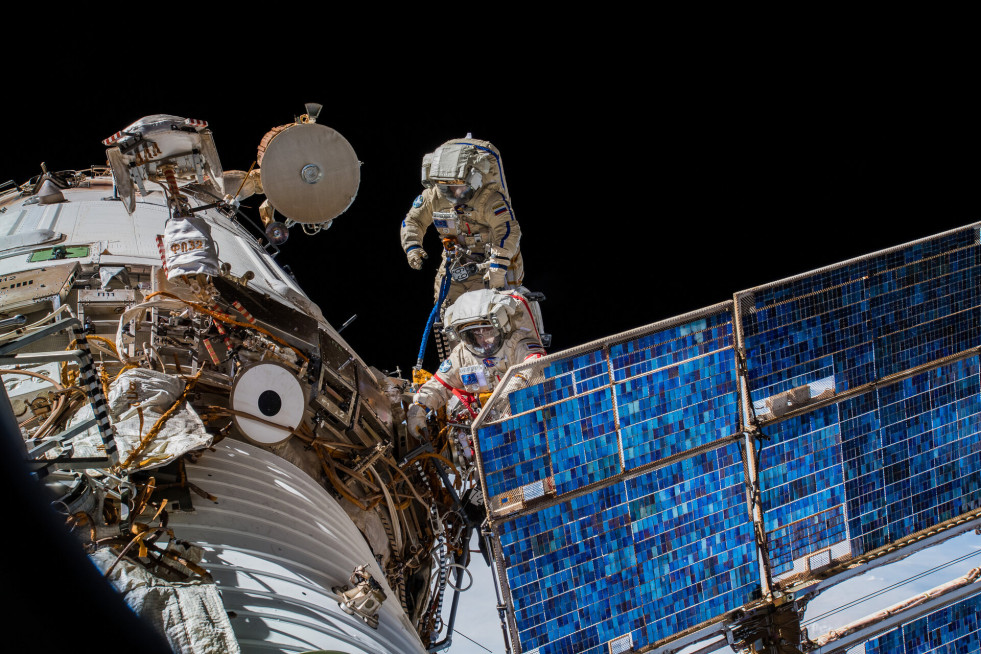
[648, 182]
[638, 199]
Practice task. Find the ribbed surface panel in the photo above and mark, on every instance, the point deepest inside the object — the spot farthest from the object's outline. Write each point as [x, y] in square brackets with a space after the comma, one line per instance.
[276, 543]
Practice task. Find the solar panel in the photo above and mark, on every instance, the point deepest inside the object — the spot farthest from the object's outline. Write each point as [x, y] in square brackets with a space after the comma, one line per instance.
[595, 568]
[846, 326]
[612, 407]
[866, 469]
[954, 628]
[619, 480]
[620, 490]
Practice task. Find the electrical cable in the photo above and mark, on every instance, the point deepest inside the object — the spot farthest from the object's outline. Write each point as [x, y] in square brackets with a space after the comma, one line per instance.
[882, 591]
[457, 631]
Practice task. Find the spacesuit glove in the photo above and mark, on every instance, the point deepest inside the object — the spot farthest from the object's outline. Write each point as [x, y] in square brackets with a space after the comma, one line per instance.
[415, 420]
[415, 257]
[496, 277]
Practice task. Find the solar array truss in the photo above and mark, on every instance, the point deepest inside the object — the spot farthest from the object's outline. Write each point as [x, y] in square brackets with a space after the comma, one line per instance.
[950, 629]
[649, 485]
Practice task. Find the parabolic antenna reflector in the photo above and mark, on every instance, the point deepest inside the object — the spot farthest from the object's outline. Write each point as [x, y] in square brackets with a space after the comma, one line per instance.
[310, 173]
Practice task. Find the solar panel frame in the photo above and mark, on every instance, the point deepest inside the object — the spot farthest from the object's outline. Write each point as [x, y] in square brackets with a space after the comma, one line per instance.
[860, 308]
[700, 342]
[890, 631]
[949, 257]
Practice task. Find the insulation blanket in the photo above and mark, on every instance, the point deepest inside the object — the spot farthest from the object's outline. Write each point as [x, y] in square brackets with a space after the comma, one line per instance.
[189, 247]
[189, 614]
[150, 393]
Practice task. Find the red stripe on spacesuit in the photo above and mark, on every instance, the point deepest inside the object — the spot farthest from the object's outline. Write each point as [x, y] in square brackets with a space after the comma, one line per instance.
[463, 396]
[530, 315]
[534, 355]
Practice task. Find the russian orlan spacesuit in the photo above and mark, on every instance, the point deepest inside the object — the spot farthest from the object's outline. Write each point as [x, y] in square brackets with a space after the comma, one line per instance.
[466, 198]
[495, 330]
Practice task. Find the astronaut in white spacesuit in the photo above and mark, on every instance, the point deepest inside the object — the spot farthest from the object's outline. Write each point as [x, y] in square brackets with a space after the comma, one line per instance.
[495, 330]
[466, 199]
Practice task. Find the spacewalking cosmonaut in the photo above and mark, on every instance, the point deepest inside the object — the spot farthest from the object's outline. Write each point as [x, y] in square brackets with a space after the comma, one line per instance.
[495, 330]
[466, 199]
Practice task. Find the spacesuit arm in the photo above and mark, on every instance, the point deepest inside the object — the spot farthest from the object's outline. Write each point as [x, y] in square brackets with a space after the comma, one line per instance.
[505, 232]
[505, 238]
[416, 222]
[436, 392]
[522, 349]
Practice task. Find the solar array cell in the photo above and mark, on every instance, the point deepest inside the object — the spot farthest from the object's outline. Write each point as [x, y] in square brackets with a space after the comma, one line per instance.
[855, 323]
[873, 468]
[672, 390]
[650, 556]
[952, 629]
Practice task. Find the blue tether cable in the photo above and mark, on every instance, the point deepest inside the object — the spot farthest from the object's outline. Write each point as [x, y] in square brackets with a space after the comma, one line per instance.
[443, 288]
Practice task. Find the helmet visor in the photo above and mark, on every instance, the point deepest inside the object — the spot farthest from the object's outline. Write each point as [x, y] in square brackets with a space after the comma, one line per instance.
[482, 341]
[455, 193]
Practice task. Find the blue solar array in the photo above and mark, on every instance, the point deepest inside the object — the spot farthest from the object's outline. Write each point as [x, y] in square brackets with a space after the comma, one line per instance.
[866, 320]
[672, 390]
[671, 548]
[622, 559]
[952, 629]
[875, 467]
[650, 556]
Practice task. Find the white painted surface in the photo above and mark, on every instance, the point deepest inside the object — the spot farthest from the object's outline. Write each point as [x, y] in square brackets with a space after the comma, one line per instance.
[276, 542]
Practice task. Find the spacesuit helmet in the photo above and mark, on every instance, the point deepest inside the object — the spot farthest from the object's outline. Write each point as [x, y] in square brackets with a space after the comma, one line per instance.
[481, 320]
[457, 169]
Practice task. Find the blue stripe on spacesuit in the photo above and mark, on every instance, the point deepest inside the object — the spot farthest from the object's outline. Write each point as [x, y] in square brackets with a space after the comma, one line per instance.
[411, 248]
[507, 233]
[497, 265]
[500, 171]
[508, 223]
[497, 158]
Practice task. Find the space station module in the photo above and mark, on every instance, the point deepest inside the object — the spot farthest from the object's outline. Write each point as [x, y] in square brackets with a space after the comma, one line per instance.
[466, 199]
[493, 330]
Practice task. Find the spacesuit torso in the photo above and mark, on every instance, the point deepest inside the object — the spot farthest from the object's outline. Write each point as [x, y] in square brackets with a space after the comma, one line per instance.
[472, 374]
[484, 225]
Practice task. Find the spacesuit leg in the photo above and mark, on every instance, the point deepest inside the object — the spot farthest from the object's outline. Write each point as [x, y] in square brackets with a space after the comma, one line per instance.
[516, 272]
[474, 283]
